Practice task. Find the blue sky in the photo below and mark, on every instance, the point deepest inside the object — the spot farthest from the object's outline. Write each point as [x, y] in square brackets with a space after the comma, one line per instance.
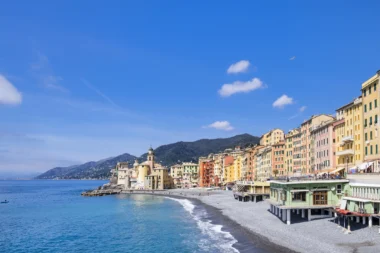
[85, 80]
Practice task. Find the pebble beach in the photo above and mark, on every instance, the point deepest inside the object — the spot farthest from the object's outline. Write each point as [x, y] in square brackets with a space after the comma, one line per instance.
[316, 236]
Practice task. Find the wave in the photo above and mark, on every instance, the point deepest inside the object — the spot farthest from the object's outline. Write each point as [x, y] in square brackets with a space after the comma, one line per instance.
[220, 240]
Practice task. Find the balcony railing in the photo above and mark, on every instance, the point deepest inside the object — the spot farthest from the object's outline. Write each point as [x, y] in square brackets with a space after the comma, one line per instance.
[347, 139]
[345, 152]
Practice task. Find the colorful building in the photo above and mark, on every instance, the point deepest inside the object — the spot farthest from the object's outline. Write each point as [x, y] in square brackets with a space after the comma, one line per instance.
[278, 161]
[147, 175]
[314, 199]
[306, 127]
[321, 145]
[349, 135]
[362, 201]
[206, 174]
[288, 164]
[371, 112]
[297, 153]
[190, 174]
[229, 172]
[272, 137]
[176, 172]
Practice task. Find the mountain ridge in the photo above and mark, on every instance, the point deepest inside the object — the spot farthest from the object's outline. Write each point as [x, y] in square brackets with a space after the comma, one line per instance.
[167, 155]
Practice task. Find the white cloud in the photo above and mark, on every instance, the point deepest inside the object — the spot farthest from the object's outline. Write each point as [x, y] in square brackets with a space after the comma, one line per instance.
[282, 101]
[9, 95]
[292, 58]
[221, 125]
[240, 87]
[303, 108]
[238, 67]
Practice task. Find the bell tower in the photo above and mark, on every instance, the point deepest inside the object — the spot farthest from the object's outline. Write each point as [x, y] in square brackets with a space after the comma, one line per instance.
[150, 158]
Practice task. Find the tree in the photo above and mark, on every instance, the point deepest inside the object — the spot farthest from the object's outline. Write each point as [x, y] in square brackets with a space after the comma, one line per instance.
[275, 172]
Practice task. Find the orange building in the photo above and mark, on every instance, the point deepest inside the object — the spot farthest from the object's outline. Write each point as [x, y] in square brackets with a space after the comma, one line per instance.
[206, 174]
[252, 162]
[278, 153]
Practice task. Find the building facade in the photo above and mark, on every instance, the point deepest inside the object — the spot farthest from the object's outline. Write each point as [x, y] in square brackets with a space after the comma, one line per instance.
[371, 112]
[322, 153]
[272, 137]
[278, 161]
[306, 126]
[147, 175]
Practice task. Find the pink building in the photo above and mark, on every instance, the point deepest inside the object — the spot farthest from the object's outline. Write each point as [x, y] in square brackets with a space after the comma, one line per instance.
[322, 153]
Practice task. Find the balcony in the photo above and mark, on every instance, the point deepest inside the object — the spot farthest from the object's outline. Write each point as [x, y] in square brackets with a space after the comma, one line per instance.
[345, 152]
[347, 139]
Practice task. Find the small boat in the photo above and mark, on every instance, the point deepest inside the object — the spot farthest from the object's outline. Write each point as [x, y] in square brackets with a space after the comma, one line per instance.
[4, 202]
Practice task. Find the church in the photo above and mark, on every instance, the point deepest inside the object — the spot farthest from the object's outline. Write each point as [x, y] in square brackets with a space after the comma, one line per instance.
[147, 175]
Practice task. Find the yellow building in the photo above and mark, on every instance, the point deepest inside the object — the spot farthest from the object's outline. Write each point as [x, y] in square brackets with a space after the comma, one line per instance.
[229, 169]
[272, 137]
[264, 163]
[371, 112]
[348, 135]
[288, 158]
[238, 164]
[145, 175]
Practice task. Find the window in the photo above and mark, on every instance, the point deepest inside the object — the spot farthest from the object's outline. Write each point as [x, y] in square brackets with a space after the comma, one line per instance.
[299, 196]
[365, 108]
[375, 103]
[370, 106]
[376, 150]
[369, 89]
[371, 149]
[365, 123]
[375, 119]
[370, 135]
[366, 150]
[366, 136]
[339, 189]
[370, 120]
[320, 198]
[365, 92]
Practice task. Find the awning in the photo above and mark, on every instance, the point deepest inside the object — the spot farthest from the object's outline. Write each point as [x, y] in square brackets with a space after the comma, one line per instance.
[365, 166]
[336, 170]
[325, 171]
[357, 199]
[304, 190]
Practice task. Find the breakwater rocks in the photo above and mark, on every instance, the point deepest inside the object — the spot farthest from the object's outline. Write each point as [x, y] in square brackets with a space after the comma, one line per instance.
[106, 189]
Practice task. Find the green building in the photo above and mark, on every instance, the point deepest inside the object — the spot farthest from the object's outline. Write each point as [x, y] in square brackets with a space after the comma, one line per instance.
[362, 202]
[318, 198]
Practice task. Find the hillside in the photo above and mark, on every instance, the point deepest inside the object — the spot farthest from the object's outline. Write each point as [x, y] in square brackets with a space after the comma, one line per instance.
[191, 151]
[166, 154]
[90, 170]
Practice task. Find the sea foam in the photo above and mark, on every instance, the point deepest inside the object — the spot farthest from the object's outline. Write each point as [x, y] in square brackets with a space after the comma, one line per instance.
[217, 239]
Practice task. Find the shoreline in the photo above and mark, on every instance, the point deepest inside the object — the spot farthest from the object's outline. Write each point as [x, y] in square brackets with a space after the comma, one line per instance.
[317, 236]
[247, 240]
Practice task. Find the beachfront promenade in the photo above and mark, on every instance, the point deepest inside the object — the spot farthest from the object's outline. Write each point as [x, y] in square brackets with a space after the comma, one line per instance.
[316, 236]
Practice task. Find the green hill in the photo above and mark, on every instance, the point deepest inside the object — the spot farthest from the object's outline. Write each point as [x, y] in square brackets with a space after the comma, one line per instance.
[167, 155]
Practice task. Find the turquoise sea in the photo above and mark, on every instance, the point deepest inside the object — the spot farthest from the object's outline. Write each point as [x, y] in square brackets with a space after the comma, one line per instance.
[51, 216]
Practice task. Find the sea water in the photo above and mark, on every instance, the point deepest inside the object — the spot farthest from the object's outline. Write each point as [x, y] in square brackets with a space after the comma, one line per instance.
[52, 216]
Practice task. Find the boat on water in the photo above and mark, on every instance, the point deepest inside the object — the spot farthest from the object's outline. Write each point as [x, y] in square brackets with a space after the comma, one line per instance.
[4, 202]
